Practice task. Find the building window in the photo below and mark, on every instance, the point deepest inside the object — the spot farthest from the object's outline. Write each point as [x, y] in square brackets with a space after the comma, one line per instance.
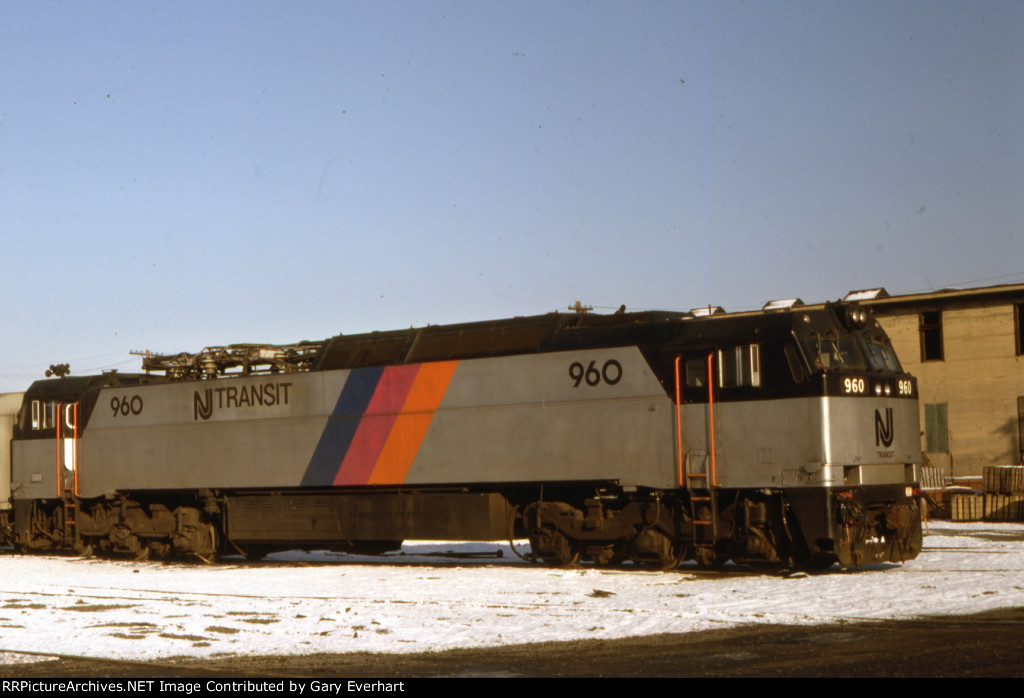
[1020, 428]
[931, 335]
[1018, 320]
[936, 428]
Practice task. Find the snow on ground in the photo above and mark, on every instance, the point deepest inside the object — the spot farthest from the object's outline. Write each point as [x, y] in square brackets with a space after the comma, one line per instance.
[304, 603]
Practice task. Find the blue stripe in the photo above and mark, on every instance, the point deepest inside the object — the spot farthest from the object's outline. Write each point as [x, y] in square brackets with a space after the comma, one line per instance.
[341, 427]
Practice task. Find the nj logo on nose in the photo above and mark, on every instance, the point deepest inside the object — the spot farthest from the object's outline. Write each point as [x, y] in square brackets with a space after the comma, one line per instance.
[883, 428]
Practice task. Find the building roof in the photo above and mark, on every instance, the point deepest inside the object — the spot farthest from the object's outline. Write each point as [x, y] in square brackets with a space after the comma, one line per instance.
[880, 299]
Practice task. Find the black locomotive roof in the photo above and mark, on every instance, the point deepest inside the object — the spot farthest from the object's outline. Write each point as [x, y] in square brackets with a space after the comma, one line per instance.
[541, 333]
[82, 389]
[653, 331]
[70, 387]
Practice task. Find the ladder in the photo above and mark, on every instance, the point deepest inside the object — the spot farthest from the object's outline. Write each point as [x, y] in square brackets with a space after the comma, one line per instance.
[703, 505]
[70, 506]
[698, 482]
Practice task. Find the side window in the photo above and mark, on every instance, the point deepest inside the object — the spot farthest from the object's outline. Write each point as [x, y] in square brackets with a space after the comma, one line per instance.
[1018, 318]
[696, 373]
[740, 366]
[44, 415]
[796, 368]
[931, 335]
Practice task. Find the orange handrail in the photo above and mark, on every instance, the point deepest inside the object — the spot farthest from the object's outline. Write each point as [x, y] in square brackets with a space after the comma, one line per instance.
[679, 429]
[711, 414]
[59, 418]
[74, 449]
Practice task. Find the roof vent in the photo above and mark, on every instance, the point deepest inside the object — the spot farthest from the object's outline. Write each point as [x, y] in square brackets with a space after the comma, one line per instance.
[783, 304]
[868, 294]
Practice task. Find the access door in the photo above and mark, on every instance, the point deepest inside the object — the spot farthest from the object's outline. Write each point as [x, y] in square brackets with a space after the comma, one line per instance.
[67, 448]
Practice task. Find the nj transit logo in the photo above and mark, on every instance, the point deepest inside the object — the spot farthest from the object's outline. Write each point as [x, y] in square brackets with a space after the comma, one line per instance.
[233, 397]
[883, 428]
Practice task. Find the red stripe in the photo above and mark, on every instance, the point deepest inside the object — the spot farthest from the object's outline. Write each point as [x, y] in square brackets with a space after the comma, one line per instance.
[407, 434]
[374, 427]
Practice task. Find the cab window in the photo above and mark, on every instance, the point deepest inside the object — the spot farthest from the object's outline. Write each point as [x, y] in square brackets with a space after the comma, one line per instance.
[739, 366]
[43, 415]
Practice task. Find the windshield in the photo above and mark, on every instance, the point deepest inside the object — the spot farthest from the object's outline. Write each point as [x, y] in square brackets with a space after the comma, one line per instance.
[880, 355]
[834, 353]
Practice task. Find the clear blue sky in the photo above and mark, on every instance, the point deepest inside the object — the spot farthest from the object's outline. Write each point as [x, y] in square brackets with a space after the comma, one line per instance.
[181, 174]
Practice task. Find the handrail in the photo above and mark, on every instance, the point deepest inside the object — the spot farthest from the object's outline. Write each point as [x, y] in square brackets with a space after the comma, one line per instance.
[62, 414]
[74, 449]
[711, 415]
[679, 429]
[59, 415]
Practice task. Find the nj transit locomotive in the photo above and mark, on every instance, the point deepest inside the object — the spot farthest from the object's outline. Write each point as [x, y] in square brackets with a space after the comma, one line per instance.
[775, 437]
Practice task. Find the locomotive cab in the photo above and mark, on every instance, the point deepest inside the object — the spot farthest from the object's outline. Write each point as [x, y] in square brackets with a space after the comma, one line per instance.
[871, 445]
[47, 431]
[805, 416]
[869, 421]
[847, 457]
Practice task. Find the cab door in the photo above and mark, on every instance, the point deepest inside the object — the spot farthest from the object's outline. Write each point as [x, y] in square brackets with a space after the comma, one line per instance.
[67, 448]
[696, 386]
[722, 380]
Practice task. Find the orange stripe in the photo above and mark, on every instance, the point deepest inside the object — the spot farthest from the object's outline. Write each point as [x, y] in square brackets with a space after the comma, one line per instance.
[411, 426]
[389, 394]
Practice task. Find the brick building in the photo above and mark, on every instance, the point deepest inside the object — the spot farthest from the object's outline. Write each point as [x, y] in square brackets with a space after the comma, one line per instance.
[966, 348]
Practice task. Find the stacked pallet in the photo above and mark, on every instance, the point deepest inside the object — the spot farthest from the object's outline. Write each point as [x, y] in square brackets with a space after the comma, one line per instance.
[968, 507]
[932, 478]
[1004, 479]
[1004, 507]
[1002, 500]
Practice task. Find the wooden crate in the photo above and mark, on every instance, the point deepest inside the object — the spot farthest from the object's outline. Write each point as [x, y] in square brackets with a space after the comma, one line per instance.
[1004, 479]
[1003, 507]
[967, 507]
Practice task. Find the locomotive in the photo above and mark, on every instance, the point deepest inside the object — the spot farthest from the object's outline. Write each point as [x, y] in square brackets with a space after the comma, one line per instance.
[771, 438]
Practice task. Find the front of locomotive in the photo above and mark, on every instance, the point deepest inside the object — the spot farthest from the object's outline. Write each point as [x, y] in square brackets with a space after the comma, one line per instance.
[870, 442]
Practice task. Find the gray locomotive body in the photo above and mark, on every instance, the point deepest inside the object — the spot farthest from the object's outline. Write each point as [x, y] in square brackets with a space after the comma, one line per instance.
[770, 437]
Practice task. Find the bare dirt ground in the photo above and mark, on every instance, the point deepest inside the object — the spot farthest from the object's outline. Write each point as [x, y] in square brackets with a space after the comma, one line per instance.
[985, 645]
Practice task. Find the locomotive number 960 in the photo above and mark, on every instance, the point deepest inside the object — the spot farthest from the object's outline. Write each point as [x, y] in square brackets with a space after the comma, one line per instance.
[610, 373]
[124, 406]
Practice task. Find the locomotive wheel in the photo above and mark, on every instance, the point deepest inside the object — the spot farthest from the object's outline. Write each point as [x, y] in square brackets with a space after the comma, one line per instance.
[208, 554]
[707, 556]
[555, 550]
[122, 540]
[653, 549]
[606, 555]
